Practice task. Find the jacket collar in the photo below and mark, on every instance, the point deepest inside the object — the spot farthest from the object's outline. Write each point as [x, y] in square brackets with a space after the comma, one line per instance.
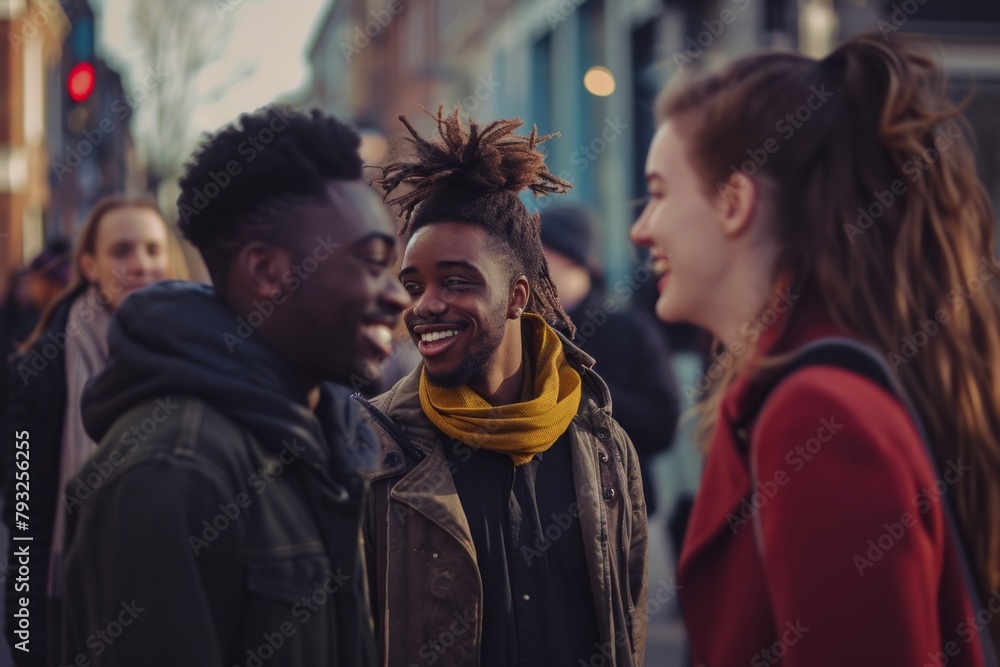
[402, 405]
[725, 465]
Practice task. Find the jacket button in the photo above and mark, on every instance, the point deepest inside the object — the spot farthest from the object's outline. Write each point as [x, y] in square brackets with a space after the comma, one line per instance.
[609, 493]
[391, 459]
[603, 457]
[602, 434]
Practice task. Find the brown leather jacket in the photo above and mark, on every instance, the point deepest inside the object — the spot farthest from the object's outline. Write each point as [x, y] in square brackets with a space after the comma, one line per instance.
[423, 577]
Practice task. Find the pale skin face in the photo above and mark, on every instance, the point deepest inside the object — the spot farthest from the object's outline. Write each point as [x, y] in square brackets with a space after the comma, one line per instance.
[713, 251]
[130, 252]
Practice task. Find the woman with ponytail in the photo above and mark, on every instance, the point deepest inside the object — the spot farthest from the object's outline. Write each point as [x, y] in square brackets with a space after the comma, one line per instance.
[824, 221]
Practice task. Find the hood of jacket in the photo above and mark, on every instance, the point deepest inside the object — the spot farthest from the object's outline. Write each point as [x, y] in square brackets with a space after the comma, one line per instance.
[167, 340]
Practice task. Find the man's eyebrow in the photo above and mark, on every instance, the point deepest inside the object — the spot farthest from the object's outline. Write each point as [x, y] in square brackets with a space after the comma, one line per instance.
[458, 264]
[375, 236]
[445, 264]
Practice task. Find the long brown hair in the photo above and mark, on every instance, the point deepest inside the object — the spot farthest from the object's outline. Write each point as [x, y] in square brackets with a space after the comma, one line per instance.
[876, 204]
[86, 243]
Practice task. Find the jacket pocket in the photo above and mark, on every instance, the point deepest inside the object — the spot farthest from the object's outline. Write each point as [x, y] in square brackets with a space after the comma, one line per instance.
[288, 574]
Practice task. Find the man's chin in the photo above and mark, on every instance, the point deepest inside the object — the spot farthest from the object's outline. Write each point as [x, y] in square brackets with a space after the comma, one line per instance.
[452, 377]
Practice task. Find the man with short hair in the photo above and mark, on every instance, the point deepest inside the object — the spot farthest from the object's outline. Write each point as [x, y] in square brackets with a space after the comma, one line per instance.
[507, 527]
[218, 523]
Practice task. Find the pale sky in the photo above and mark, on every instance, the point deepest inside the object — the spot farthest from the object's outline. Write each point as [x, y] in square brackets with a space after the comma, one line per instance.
[269, 38]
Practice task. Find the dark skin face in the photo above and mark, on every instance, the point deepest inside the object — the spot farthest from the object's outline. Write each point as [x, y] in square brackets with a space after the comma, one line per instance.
[335, 298]
[464, 296]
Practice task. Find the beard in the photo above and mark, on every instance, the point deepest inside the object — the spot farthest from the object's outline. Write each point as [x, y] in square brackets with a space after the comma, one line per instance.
[474, 365]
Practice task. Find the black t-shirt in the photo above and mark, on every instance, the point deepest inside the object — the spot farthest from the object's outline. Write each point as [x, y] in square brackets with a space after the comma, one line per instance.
[538, 607]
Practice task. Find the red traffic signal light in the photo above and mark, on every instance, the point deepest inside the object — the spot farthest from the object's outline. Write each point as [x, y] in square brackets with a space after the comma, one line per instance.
[80, 82]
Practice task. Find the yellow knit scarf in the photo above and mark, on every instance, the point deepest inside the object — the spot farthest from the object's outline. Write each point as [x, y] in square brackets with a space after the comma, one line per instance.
[519, 430]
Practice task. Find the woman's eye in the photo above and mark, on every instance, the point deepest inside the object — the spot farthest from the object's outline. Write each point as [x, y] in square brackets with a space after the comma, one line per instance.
[412, 288]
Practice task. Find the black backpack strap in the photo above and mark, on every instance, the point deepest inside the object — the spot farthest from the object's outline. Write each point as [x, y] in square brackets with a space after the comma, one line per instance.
[861, 359]
[838, 352]
[394, 431]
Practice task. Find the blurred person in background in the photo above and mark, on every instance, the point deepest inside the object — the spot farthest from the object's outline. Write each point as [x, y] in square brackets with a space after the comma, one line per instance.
[820, 534]
[228, 519]
[123, 246]
[507, 526]
[31, 291]
[630, 352]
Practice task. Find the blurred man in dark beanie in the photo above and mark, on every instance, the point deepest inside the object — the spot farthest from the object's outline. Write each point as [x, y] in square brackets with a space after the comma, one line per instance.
[632, 355]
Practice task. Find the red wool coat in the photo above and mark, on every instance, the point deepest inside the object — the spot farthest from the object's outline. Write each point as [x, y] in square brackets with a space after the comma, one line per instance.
[857, 566]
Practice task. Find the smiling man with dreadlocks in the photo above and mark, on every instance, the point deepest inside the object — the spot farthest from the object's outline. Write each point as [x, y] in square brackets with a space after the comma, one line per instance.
[507, 526]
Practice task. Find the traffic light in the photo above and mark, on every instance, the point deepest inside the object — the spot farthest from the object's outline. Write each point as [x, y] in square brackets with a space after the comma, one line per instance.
[82, 106]
[81, 81]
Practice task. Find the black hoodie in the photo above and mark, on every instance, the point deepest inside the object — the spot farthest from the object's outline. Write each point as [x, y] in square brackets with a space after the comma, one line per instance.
[218, 521]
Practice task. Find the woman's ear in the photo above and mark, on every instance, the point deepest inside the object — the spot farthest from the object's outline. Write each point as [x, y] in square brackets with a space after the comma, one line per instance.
[737, 202]
[519, 294]
[88, 267]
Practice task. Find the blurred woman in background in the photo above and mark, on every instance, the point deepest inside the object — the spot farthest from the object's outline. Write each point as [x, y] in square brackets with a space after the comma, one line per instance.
[124, 245]
[793, 200]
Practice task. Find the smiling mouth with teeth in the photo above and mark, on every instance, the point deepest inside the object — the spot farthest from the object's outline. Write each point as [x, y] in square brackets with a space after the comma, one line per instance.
[438, 335]
[381, 335]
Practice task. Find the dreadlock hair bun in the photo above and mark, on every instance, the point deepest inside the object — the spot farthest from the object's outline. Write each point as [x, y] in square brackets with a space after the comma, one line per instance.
[475, 174]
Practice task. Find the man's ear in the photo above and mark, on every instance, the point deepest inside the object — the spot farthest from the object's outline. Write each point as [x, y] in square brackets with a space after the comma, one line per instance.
[259, 266]
[88, 267]
[519, 293]
[737, 203]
